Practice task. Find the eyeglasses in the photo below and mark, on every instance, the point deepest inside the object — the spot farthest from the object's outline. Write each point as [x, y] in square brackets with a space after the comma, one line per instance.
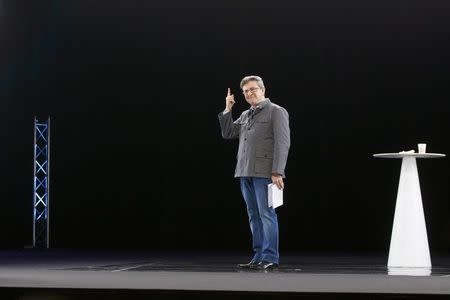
[250, 90]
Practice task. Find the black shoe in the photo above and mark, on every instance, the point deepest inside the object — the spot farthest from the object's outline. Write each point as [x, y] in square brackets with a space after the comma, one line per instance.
[264, 265]
[249, 265]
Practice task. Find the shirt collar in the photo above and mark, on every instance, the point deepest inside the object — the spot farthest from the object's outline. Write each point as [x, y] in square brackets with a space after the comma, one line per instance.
[261, 104]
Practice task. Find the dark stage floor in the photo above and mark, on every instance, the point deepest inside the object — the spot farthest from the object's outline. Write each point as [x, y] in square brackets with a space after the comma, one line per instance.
[206, 272]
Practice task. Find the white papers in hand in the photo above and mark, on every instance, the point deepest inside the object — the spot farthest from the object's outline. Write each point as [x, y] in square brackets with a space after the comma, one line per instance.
[275, 195]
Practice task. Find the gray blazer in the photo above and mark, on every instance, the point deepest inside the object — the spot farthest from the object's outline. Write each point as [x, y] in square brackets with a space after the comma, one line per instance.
[264, 139]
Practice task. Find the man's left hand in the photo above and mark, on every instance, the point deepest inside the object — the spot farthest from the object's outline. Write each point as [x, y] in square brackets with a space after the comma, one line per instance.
[278, 180]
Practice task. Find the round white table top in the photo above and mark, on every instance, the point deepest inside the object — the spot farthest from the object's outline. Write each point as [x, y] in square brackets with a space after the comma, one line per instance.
[406, 154]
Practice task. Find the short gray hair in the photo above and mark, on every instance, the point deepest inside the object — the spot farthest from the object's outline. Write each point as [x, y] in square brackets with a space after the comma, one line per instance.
[258, 80]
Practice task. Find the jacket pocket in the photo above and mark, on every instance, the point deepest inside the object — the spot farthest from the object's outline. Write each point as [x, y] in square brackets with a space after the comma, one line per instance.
[263, 162]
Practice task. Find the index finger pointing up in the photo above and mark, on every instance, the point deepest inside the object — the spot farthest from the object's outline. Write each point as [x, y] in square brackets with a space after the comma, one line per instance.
[229, 92]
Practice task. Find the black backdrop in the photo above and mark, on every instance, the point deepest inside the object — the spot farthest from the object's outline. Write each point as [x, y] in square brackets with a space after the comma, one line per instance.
[134, 87]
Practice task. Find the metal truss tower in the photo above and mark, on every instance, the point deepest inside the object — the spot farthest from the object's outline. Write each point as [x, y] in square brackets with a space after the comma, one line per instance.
[41, 194]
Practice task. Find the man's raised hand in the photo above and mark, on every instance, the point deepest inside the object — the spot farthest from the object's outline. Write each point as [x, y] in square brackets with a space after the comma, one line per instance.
[229, 101]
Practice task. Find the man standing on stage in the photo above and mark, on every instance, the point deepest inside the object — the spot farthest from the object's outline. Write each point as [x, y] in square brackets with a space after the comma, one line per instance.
[264, 140]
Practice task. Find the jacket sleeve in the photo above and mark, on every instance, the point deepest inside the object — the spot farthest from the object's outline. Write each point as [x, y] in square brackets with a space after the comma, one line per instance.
[230, 129]
[282, 140]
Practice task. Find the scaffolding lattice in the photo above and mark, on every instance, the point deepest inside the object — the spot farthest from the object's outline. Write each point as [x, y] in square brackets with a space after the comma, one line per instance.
[41, 195]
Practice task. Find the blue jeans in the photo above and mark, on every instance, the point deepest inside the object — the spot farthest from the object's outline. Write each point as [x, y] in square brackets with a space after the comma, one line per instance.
[263, 220]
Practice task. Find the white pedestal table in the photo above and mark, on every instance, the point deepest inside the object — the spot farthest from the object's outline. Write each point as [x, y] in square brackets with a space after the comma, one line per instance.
[409, 241]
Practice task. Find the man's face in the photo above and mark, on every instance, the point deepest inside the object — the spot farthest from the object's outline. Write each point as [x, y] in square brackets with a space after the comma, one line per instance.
[253, 93]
